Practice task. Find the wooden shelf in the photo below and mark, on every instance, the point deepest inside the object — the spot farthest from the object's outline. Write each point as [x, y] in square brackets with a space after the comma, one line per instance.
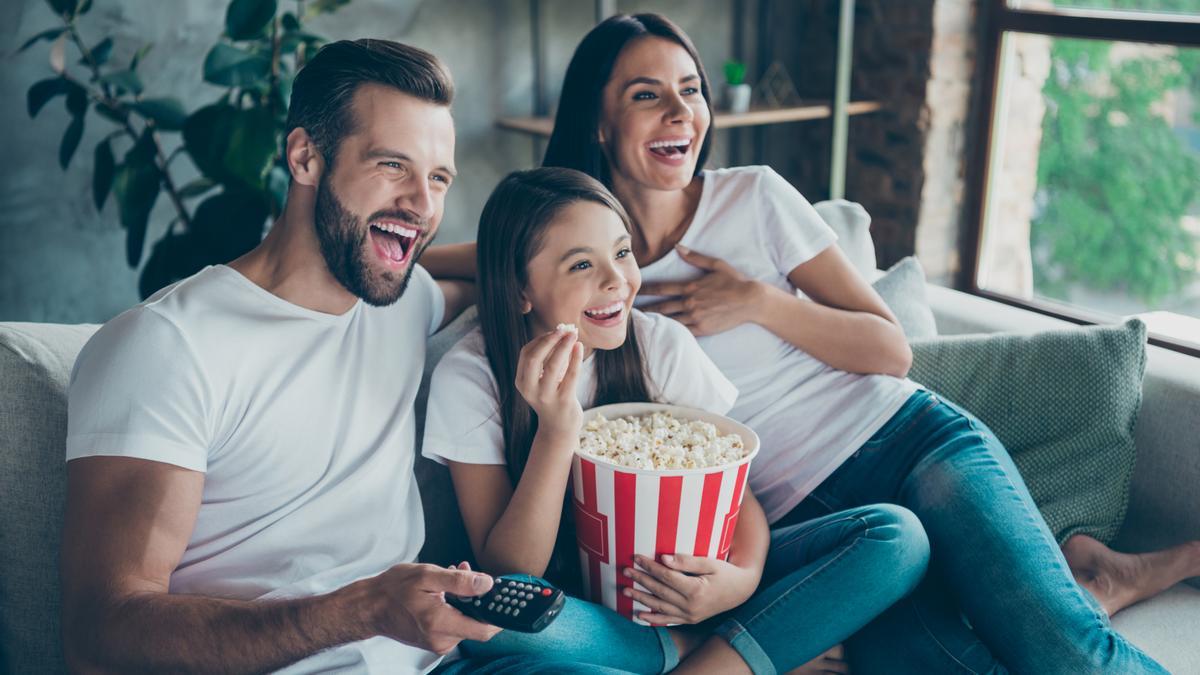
[543, 126]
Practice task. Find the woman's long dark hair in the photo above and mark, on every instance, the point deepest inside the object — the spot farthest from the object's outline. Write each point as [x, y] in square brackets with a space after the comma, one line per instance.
[511, 232]
[575, 142]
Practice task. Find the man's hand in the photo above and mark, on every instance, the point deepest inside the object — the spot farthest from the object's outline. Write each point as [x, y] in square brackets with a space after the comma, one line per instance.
[413, 609]
[688, 589]
[721, 299]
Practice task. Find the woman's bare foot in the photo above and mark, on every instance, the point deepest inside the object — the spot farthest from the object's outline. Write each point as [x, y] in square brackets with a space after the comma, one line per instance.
[686, 639]
[832, 661]
[1118, 580]
[716, 656]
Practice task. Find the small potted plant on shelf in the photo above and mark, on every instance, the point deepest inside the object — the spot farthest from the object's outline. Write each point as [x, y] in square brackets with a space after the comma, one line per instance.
[737, 92]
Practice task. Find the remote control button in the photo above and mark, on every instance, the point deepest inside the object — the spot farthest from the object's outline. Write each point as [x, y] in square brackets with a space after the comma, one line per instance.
[508, 610]
[496, 597]
[516, 612]
[491, 606]
[478, 603]
[546, 591]
[521, 603]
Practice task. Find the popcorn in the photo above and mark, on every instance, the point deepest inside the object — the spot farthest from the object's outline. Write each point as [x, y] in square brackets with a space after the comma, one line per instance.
[660, 441]
[566, 328]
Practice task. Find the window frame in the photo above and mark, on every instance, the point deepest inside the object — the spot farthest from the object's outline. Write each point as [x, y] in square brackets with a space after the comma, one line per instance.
[996, 19]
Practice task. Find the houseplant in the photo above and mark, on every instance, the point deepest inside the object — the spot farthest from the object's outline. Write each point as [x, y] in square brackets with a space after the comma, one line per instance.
[737, 92]
[235, 141]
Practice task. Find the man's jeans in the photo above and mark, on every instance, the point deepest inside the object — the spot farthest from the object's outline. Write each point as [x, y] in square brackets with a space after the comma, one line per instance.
[999, 596]
[823, 580]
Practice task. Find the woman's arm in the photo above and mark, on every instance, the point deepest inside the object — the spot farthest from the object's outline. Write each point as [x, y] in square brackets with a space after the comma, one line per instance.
[514, 530]
[844, 323]
[450, 261]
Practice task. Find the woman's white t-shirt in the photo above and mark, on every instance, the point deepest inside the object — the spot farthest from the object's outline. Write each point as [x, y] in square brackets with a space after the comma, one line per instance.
[462, 422]
[809, 416]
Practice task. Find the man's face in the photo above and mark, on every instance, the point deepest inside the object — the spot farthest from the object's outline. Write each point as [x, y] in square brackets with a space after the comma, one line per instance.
[379, 206]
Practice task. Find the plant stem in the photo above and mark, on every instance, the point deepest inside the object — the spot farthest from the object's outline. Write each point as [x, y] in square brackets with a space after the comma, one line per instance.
[116, 104]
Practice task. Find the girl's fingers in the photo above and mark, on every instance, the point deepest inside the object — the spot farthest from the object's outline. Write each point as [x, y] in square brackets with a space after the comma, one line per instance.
[654, 602]
[533, 360]
[657, 619]
[661, 590]
[556, 363]
[669, 577]
[572, 374]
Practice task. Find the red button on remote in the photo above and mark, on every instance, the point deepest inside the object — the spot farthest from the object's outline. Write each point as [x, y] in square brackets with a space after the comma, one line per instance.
[546, 591]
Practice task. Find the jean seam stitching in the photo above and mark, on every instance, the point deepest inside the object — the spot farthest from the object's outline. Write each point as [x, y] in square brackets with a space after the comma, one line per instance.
[932, 403]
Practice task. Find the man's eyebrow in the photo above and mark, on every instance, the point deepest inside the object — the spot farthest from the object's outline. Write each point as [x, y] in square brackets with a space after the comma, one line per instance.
[652, 81]
[386, 153]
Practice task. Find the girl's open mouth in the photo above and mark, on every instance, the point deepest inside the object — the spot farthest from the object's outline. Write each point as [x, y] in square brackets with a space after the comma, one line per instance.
[393, 242]
[608, 315]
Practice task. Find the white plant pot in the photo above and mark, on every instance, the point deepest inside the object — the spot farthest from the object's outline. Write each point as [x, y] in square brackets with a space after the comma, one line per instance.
[737, 97]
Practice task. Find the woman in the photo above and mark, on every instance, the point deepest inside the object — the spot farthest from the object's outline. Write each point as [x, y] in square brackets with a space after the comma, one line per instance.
[821, 376]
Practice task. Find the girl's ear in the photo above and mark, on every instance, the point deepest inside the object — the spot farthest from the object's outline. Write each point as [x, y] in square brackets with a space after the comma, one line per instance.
[526, 305]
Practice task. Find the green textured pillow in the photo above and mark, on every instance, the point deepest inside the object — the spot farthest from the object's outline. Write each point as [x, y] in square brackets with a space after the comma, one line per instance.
[1064, 402]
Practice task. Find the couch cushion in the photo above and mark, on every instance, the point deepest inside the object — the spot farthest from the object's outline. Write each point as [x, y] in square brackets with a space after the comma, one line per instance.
[1064, 402]
[902, 288]
[1167, 627]
[35, 366]
[852, 225]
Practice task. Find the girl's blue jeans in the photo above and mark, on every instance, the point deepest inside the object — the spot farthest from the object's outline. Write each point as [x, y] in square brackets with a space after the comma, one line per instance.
[999, 596]
[823, 580]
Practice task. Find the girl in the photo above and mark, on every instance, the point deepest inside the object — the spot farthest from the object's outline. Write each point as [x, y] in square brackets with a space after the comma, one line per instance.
[554, 248]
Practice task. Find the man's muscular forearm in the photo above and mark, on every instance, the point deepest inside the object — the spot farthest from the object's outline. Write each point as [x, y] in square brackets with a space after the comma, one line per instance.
[151, 631]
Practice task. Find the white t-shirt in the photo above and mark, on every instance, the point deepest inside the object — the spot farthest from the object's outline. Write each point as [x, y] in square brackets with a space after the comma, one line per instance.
[462, 423]
[809, 416]
[302, 423]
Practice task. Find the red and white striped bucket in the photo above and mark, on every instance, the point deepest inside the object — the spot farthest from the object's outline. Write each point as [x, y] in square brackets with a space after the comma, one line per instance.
[620, 511]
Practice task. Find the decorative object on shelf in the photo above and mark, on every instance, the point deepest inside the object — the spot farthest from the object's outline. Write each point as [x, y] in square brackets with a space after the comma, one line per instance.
[775, 88]
[737, 92]
[236, 141]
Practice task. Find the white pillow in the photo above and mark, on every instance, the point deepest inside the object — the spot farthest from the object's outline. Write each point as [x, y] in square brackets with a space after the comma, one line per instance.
[852, 225]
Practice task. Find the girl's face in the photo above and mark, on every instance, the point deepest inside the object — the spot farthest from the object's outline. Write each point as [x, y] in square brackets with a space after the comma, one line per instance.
[655, 116]
[585, 275]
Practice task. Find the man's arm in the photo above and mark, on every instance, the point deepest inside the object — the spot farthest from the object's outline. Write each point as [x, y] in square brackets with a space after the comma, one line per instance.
[128, 522]
[450, 261]
[459, 295]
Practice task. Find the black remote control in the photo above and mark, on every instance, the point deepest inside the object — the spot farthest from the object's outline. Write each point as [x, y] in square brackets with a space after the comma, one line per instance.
[517, 602]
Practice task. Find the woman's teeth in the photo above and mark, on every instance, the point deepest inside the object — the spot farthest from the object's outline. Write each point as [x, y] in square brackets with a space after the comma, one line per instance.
[605, 312]
[669, 147]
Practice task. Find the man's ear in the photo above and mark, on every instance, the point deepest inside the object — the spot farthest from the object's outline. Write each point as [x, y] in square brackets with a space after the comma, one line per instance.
[304, 160]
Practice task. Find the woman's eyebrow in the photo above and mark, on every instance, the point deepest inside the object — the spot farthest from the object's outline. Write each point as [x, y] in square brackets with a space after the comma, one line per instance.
[652, 81]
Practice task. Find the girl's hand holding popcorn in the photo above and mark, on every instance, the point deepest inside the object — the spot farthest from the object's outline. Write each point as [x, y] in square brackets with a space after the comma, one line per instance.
[547, 372]
[685, 589]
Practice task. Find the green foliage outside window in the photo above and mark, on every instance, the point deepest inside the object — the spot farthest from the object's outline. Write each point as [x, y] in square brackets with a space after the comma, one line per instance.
[1114, 180]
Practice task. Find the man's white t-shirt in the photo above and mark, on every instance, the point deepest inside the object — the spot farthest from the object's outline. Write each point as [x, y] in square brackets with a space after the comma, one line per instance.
[809, 416]
[302, 423]
[462, 422]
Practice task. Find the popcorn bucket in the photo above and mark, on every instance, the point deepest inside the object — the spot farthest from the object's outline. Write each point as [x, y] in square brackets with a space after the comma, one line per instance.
[620, 511]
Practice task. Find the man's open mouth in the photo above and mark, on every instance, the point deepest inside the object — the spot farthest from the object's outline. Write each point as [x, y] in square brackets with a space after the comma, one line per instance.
[670, 147]
[393, 241]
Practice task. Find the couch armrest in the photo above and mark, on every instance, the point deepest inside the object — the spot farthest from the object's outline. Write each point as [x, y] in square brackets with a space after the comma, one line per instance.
[1164, 504]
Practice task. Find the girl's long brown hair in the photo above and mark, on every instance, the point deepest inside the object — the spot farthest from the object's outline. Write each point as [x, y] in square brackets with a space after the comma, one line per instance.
[511, 231]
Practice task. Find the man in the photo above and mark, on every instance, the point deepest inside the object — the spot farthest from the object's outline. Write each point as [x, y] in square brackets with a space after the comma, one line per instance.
[240, 446]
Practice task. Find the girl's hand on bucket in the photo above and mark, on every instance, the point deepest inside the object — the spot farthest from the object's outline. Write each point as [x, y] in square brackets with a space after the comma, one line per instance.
[547, 371]
[688, 589]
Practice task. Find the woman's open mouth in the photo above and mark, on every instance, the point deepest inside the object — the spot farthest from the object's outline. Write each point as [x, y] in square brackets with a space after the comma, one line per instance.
[672, 151]
[608, 315]
[393, 242]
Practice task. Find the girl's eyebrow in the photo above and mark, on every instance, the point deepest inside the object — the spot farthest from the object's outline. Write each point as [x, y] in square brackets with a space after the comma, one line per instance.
[589, 249]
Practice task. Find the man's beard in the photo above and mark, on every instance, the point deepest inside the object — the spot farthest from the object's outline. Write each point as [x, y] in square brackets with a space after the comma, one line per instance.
[343, 238]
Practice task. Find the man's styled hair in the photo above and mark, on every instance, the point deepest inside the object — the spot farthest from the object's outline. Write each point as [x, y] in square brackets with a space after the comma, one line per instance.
[324, 88]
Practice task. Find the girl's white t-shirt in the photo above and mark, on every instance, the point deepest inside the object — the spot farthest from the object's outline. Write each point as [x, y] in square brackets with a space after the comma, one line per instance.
[809, 416]
[462, 422]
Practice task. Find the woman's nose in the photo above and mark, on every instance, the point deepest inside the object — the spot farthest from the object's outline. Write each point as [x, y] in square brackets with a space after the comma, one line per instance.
[679, 110]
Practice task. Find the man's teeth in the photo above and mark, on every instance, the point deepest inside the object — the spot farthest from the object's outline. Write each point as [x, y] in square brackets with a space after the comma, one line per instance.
[610, 309]
[396, 229]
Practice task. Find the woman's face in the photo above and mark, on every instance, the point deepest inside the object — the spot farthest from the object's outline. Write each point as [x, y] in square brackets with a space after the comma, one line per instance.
[585, 275]
[655, 116]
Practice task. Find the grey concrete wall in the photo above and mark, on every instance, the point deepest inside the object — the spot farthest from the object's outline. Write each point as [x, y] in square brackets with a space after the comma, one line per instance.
[62, 261]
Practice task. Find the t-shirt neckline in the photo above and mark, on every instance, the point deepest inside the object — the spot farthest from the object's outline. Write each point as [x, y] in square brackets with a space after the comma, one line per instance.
[697, 217]
[286, 305]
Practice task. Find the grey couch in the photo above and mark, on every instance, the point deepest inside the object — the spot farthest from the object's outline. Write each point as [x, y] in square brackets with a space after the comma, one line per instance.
[36, 359]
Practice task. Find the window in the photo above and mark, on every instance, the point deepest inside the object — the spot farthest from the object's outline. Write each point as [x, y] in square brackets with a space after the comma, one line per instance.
[1088, 186]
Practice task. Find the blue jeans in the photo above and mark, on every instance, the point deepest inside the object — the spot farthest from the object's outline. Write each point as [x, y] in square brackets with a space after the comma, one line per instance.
[822, 581]
[999, 596]
[524, 664]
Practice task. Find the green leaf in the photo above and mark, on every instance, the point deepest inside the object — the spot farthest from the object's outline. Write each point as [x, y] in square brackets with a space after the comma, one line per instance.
[197, 187]
[325, 7]
[229, 224]
[102, 173]
[229, 66]
[136, 187]
[84, 7]
[124, 80]
[100, 52]
[139, 55]
[290, 22]
[110, 113]
[228, 144]
[70, 141]
[174, 257]
[246, 19]
[77, 100]
[167, 113]
[41, 93]
[64, 7]
[50, 34]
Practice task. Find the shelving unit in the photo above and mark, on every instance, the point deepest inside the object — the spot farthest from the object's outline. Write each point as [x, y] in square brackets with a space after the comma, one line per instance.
[840, 108]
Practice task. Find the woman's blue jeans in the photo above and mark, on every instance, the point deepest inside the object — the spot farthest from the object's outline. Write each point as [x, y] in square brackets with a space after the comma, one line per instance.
[823, 581]
[999, 596]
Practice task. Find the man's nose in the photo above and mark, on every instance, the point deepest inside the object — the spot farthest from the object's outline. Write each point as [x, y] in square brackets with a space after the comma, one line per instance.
[418, 198]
